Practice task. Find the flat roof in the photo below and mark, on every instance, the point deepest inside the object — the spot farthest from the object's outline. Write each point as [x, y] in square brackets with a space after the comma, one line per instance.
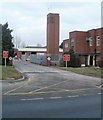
[36, 49]
[66, 39]
[85, 31]
[53, 13]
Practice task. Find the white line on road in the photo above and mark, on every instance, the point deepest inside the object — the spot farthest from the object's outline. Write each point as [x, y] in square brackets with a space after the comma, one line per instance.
[73, 96]
[32, 99]
[55, 97]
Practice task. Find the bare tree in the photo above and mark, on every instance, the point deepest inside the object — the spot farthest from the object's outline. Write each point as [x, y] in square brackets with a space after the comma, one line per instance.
[39, 45]
[23, 45]
[17, 41]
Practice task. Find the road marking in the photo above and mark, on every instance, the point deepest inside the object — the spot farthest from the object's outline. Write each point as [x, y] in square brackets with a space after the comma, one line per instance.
[99, 93]
[71, 90]
[79, 89]
[99, 86]
[47, 86]
[55, 97]
[15, 88]
[86, 94]
[32, 99]
[73, 96]
[34, 90]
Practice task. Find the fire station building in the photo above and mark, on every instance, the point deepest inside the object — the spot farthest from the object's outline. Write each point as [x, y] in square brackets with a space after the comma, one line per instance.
[87, 45]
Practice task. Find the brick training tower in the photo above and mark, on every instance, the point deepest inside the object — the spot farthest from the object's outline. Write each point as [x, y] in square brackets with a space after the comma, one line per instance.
[53, 33]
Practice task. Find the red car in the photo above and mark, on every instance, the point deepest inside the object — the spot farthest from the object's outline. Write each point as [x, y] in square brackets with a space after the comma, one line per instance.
[15, 58]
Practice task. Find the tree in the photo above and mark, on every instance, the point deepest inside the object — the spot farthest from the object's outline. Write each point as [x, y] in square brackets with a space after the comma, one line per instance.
[23, 45]
[17, 41]
[7, 44]
[39, 45]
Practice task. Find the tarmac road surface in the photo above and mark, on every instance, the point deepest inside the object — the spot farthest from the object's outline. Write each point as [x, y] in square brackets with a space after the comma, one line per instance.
[49, 92]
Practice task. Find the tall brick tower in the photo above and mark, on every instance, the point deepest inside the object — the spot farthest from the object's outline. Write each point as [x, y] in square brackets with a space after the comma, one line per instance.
[52, 33]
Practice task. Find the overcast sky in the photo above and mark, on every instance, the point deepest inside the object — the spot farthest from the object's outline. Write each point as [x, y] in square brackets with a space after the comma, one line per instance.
[29, 19]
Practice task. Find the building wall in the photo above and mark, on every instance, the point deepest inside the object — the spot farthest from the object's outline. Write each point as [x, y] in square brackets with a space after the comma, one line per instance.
[20, 53]
[101, 46]
[82, 46]
[53, 33]
[66, 45]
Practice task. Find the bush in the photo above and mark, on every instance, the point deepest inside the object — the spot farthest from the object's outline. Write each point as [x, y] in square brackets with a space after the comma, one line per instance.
[100, 63]
[8, 62]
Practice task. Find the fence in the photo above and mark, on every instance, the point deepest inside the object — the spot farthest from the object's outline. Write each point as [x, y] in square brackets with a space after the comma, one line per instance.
[38, 59]
[24, 57]
[42, 59]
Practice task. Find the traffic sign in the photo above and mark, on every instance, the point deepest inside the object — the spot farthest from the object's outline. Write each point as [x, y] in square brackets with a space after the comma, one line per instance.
[10, 58]
[66, 57]
[5, 54]
[48, 58]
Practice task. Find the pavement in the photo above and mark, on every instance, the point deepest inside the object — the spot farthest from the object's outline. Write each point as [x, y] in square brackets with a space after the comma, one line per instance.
[45, 84]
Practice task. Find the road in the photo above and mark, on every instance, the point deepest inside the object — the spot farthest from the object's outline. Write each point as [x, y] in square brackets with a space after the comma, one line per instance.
[51, 93]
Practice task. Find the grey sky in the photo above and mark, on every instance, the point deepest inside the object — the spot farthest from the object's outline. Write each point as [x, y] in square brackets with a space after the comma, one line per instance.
[28, 19]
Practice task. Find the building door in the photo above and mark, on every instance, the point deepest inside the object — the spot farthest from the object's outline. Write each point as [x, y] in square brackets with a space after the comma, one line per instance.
[91, 60]
[86, 60]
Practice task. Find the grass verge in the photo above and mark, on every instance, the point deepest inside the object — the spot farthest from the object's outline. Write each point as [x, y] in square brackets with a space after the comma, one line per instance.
[97, 72]
[9, 72]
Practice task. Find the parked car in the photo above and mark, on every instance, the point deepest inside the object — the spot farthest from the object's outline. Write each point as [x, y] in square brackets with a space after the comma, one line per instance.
[16, 58]
[28, 59]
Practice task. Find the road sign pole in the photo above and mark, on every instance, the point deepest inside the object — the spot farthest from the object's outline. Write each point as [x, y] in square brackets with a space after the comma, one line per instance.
[5, 62]
[66, 63]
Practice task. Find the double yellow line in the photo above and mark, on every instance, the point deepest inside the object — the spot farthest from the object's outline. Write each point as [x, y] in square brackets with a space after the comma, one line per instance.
[11, 92]
[65, 90]
[6, 93]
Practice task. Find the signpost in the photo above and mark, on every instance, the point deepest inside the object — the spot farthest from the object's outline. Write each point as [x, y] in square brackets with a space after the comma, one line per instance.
[48, 58]
[66, 58]
[10, 58]
[5, 55]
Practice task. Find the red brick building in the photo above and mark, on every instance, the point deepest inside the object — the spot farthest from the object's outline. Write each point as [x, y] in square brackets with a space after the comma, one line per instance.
[53, 33]
[87, 45]
[33, 50]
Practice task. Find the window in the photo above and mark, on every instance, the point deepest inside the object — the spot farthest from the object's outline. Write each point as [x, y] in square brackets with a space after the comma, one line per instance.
[72, 42]
[23, 53]
[33, 52]
[90, 41]
[98, 41]
[66, 45]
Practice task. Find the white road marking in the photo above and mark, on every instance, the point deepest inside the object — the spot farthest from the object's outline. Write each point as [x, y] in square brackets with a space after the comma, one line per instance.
[55, 97]
[45, 72]
[32, 99]
[73, 96]
[99, 93]
[86, 94]
[98, 86]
